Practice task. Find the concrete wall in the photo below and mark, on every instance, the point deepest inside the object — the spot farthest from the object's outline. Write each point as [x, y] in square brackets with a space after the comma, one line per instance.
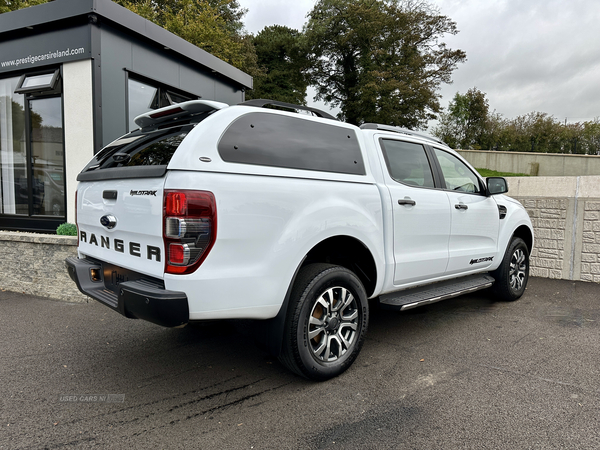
[79, 121]
[565, 212]
[35, 264]
[540, 164]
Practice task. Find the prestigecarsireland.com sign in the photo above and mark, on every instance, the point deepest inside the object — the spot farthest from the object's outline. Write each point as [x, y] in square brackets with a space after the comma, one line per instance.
[57, 46]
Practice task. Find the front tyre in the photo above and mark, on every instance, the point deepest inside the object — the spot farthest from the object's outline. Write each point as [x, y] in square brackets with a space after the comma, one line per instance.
[513, 273]
[326, 323]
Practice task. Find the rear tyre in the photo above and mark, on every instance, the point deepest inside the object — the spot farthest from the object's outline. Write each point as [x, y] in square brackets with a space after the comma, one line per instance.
[513, 273]
[326, 323]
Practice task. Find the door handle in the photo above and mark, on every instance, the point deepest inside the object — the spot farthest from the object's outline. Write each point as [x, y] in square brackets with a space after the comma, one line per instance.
[407, 201]
[461, 206]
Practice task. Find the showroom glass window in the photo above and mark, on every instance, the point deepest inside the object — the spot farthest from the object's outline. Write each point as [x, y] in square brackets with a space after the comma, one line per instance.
[32, 163]
[144, 96]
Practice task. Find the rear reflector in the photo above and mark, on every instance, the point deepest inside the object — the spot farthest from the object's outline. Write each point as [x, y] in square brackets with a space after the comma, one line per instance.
[179, 254]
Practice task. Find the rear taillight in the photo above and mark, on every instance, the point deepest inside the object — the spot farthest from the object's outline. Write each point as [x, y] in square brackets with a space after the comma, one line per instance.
[189, 229]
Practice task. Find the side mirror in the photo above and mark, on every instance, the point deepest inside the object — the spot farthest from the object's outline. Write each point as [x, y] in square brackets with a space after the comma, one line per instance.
[496, 185]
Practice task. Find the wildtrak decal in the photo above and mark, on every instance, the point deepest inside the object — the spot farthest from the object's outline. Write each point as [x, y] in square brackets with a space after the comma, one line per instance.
[480, 260]
[119, 245]
[132, 193]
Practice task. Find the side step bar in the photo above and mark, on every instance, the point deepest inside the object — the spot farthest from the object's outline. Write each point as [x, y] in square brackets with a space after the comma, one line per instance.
[424, 295]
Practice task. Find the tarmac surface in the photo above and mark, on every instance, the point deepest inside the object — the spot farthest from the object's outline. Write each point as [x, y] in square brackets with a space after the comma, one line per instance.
[467, 373]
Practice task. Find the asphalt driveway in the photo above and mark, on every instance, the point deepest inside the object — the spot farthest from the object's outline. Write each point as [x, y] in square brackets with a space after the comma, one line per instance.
[468, 373]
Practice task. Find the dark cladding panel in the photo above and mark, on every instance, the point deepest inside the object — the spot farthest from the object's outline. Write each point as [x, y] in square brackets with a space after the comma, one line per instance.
[122, 52]
[197, 82]
[227, 94]
[116, 49]
[160, 66]
[50, 47]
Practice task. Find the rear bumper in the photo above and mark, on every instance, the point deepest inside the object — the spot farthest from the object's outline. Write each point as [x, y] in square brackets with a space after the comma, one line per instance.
[145, 298]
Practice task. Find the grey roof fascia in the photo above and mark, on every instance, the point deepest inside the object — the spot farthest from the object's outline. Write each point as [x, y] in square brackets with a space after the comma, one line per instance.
[44, 13]
[65, 9]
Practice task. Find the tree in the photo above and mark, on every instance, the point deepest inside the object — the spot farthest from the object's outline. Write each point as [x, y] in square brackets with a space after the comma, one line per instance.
[232, 13]
[229, 10]
[533, 132]
[279, 52]
[497, 136]
[380, 60]
[589, 139]
[212, 25]
[13, 5]
[466, 124]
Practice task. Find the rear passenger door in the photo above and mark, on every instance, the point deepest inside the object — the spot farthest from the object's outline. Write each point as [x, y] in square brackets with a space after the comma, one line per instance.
[421, 212]
[475, 218]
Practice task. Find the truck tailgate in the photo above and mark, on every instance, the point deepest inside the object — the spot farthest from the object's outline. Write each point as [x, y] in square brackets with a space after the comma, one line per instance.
[120, 222]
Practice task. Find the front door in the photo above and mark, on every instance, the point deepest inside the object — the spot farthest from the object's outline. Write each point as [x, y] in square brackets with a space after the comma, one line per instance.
[475, 221]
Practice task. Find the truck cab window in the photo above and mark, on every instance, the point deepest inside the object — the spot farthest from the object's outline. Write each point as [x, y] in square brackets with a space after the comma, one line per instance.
[407, 163]
[457, 175]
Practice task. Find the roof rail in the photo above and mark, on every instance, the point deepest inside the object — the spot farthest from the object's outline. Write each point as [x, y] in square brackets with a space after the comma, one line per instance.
[378, 126]
[260, 103]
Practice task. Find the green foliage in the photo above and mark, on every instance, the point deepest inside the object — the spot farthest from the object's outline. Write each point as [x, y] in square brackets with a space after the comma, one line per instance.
[280, 54]
[67, 229]
[229, 10]
[465, 124]
[494, 173]
[232, 13]
[539, 132]
[469, 124]
[13, 5]
[18, 121]
[210, 25]
[380, 60]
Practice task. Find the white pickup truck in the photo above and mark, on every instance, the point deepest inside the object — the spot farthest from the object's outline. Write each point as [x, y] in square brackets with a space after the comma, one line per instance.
[210, 211]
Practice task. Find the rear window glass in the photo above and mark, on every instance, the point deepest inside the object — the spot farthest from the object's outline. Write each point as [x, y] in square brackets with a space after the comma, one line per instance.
[282, 141]
[154, 148]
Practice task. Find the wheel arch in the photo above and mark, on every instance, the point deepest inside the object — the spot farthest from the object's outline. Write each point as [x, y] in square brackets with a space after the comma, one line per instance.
[341, 250]
[525, 233]
[348, 252]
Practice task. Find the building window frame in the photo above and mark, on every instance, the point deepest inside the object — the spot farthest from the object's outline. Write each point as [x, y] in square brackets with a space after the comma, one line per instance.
[50, 86]
[31, 221]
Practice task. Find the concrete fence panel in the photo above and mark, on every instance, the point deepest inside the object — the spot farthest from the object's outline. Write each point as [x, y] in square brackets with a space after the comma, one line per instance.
[565, 212]
[539, 164]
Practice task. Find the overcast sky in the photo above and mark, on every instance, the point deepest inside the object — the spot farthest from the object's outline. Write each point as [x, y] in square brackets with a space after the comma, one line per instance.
[525, 55]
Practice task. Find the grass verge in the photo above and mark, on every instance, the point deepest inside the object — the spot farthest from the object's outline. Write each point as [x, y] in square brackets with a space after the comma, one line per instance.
[494, 173]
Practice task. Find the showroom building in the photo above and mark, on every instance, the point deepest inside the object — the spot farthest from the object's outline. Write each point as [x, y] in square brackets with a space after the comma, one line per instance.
[73, 75]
